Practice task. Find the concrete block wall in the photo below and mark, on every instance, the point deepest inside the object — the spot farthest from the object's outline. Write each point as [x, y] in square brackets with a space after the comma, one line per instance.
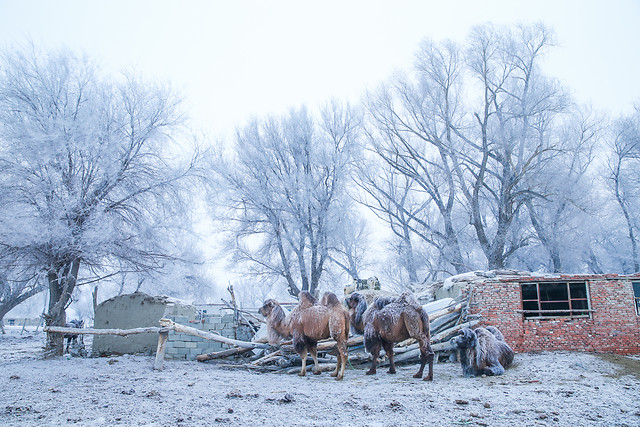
[185, 346]
[613, 326]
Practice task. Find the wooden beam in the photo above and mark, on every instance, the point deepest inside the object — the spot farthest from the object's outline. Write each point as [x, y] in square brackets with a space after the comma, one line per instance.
[209, 336]
[89, 331]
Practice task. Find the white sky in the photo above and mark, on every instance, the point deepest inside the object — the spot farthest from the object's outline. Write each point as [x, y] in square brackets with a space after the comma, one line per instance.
[234, 59]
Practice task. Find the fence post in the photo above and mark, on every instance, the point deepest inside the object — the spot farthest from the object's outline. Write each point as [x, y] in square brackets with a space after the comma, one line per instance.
[162, 340]
[162, 343]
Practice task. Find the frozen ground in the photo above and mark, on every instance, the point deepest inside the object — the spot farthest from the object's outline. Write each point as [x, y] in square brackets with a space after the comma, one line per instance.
[556, 389]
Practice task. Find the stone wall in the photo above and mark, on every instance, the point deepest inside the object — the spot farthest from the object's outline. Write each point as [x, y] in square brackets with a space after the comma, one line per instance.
[613, 326]
[216, 319]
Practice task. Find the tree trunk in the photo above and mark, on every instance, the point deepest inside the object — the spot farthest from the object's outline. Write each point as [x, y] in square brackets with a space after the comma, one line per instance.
[95, 300]
[545, 239]
[62, 282]
[2, 314]
[632, 238]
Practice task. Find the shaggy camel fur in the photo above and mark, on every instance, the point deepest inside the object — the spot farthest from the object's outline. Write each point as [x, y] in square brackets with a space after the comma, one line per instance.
[312, 322]
[278, 327]
[357, 305]
[482, 351]
[391, 320]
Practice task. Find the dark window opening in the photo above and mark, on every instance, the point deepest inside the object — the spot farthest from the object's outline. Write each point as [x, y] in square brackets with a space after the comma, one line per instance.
[557, 299]
[636, 296]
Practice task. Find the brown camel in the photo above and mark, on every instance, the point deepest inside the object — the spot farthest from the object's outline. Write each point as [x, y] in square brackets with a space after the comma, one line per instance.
[311, 322]
[278, 327]
[391, 320]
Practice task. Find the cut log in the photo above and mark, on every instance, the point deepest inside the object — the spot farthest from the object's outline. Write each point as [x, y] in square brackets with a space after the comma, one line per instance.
[440, 323]
[89, 331]
[221, 354]
[267, 358]
[442, 335]
[445, 311]
[415, 352]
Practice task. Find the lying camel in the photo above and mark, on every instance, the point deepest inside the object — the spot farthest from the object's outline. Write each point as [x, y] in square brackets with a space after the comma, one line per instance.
[482, 351]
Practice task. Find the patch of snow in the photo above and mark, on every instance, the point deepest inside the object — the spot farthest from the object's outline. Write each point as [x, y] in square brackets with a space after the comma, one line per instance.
[562, 388]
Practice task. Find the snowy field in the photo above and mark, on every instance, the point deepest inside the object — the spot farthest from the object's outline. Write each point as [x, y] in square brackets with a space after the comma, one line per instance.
[555, 389]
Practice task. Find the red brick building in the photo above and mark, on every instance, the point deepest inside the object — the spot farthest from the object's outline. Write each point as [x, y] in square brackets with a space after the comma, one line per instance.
[596, 313]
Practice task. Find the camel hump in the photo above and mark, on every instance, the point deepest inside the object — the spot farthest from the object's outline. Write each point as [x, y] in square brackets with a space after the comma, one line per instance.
[330, 299]
[407, 298]
[305, 299]
[496, 332]
[381, 302]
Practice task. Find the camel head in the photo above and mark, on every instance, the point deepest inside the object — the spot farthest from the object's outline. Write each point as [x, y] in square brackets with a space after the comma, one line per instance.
[466, 338]
[267, 307]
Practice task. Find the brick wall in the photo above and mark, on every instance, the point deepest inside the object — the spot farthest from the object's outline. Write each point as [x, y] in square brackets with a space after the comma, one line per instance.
[184, 346]
[613, 326]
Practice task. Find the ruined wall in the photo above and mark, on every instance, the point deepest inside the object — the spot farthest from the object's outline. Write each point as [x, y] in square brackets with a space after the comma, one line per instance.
[613, 327]
[130, 311]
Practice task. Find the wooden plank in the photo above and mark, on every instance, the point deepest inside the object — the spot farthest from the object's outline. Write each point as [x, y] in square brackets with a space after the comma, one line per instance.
[90, 331]
[209, 336]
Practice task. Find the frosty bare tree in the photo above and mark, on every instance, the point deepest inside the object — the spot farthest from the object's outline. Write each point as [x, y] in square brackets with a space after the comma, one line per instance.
[392, 197]
[414, 122]
[473, 130]
[560, 219]
[285, 184]
[88, 170]
[623, 162]
[512, 139]
[350, 245]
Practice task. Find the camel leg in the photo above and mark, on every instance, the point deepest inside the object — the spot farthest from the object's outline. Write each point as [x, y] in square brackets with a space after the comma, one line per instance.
[314, 354]
[343, 356]
[493, 370]
[339, 361]
[388, 348]
[303, 356]
[425, 349]
[429, 358]
[375, 353]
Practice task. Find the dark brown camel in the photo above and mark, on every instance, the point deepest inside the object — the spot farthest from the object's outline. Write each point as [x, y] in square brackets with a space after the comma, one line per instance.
[482, 351]
[391, 320]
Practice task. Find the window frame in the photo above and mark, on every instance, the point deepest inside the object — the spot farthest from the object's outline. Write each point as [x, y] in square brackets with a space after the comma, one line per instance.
[570, 313]
[636, 296]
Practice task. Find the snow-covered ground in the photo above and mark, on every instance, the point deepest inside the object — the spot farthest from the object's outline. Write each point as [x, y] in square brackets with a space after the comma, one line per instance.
[540, 389]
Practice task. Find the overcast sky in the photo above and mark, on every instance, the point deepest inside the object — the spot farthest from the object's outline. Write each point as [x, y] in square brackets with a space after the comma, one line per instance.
[236, 59]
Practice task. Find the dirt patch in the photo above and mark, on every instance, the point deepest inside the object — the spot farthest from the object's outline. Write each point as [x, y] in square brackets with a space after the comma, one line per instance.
[627, 365]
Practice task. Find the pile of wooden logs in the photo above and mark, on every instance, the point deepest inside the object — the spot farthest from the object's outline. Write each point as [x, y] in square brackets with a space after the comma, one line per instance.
[444, 324]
